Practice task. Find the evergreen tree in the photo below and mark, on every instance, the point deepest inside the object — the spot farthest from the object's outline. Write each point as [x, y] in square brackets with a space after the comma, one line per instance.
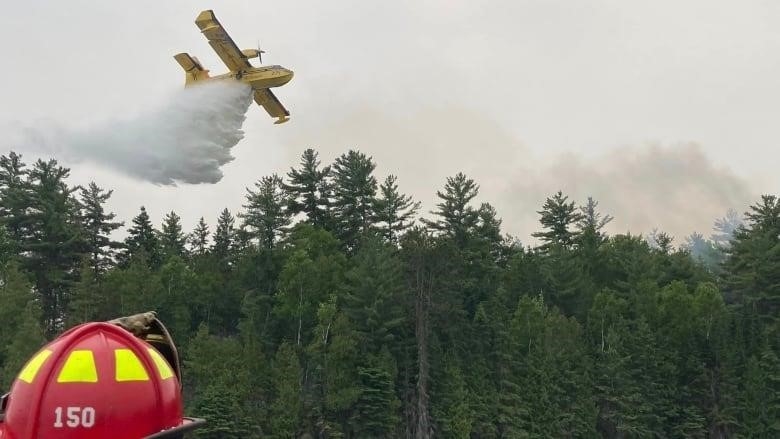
[703, 251]
[172, 238]
[456, 218]
[215, 367]
[142, 241]
[286, 408]
[55, 245]
[310, 190]
[266, 214]
[373, 297]
[725, 227]
[334, 357]
[591, 219]
[752, 270]
[557, 217]
[376, 407]
[199, 238]
[354, 197]
[98, 226]
[394, 210]
[15, 197]
[224, 237]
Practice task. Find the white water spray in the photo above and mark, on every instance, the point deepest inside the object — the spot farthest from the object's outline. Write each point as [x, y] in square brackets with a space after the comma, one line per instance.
[185, 140]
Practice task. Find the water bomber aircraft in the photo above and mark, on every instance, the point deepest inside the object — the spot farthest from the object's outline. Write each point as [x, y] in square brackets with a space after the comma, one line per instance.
[260, 78]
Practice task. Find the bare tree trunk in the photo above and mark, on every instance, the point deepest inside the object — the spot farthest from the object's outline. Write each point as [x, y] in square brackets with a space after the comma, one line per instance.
[422, 302]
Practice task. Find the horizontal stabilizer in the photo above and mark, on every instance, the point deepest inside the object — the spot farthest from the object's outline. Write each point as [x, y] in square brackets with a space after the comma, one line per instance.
[192, 68]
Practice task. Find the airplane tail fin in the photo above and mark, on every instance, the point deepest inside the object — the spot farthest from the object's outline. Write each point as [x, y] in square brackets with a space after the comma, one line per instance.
[193, 71]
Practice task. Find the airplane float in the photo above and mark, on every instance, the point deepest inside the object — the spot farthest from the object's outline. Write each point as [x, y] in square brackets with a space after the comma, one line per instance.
[261, 78]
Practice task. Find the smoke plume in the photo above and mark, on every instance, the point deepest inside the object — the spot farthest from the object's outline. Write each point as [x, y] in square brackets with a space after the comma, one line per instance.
[186, 140]
[676, 188]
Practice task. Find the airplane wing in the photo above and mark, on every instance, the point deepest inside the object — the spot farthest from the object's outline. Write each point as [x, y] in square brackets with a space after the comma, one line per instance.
[221, 42]
[265, 98]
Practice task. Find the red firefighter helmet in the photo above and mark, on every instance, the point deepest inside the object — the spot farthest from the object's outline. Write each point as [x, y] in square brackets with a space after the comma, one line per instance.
[96, 380]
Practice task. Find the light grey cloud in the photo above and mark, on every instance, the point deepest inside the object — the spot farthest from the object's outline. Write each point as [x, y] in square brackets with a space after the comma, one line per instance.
[501, 90]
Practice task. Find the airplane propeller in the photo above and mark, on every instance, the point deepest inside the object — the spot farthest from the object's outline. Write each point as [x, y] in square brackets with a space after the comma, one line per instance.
[260, 53]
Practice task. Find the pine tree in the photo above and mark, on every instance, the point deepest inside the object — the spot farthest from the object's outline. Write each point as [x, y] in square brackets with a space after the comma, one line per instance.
[373, 297]
[354, 197]
[286, 408]
[591, 219]
[310, 190]
[15, 197]
[216, 369]
[334, 357]
[394, 211]
[142, 241]
[172, 238]
[725, 227]
[98, 226]
[376, 407]
[266, 214]
[224, 237]
[456, 218]
[55, 245]
[752, 269]
[557, 217]
[452, 411]
[199, 238]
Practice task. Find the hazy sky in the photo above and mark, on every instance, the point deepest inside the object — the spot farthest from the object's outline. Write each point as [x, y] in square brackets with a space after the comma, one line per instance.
[665, 111]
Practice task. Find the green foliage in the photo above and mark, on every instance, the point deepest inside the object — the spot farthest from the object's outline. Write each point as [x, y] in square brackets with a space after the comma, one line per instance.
[224, 239]
[98, 226]
[266, 216]
[326, 314]
[456, 218]
[26, 338]
[199, 238]
[354, 197]
[310, 190]
[557, 217]
[172, 238]
[394, 211]
[142, 241]
[285, 412]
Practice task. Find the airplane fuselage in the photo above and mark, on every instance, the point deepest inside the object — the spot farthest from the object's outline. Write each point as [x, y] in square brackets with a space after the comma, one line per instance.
[260, 77]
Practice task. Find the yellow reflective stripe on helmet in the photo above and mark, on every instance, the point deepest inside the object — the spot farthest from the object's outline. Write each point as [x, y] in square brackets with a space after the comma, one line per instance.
[31, 368]
[129, 367]
[162, 365]
[79, 368]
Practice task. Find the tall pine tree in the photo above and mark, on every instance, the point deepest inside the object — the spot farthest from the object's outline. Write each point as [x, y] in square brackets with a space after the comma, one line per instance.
[98, 226]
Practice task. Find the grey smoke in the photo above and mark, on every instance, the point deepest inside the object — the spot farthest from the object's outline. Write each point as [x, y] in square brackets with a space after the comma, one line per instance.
[186, 139]
[675, 188]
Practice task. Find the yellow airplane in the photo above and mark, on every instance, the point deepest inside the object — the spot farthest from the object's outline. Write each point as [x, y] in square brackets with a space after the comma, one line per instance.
[261, 79]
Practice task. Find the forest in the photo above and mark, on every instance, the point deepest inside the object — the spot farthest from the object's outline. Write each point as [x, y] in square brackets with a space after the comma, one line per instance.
[330, 306]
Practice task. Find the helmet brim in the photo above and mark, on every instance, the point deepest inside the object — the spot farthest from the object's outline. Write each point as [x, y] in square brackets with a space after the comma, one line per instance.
[187, 424]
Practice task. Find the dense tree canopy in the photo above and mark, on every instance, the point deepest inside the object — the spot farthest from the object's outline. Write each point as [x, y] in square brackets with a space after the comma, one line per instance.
[324, 309]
